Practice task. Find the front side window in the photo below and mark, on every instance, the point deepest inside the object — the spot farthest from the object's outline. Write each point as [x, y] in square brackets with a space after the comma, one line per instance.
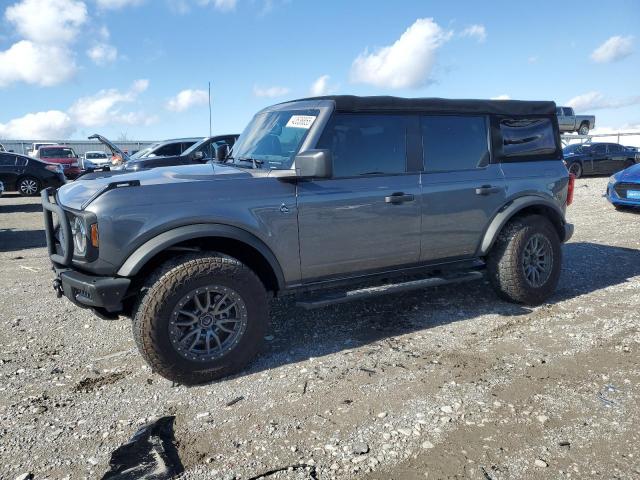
[452, 143]
[527, 137]
[169, 150]
[599, 149]
[366, 144]
[272, 139]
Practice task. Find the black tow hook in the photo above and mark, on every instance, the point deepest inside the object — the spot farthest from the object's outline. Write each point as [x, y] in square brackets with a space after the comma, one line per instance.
[57, 286]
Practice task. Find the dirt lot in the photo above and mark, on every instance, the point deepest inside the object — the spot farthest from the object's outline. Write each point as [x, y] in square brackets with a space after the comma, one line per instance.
[441, 383]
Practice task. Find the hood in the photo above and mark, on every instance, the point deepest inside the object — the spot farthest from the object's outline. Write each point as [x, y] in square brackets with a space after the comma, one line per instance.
[631, 174]
[79, 194]
[111, 146]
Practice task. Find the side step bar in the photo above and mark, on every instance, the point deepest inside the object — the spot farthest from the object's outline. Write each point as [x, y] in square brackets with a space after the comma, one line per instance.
[342, 297]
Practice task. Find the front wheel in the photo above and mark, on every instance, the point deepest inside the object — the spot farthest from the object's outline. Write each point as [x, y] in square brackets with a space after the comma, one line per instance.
[202, 319]
[524, 263]
[576, 169]
[28, 186]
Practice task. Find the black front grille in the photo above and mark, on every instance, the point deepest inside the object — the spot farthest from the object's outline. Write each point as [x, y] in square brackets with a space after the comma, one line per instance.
[621, 188]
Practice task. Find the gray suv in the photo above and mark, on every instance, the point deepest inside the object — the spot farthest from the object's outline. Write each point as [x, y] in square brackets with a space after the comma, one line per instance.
[330, 199]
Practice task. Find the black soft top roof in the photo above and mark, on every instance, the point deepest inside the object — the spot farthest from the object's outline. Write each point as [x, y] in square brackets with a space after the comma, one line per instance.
[352, 103]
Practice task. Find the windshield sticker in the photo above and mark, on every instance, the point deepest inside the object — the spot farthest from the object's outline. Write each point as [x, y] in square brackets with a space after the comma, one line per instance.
[301, 121]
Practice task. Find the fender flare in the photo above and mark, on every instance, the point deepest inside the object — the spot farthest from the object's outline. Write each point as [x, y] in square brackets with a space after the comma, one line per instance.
[509, 211]
[157, 244]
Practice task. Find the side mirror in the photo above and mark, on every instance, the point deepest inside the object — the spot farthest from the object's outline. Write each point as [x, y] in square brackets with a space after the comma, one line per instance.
[222, 152]
[199, 155]
[314, 164]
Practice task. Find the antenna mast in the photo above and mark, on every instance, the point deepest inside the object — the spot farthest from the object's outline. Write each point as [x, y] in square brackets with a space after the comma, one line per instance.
[210, 131]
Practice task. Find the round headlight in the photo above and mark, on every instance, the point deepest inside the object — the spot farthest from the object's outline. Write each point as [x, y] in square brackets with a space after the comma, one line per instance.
[79, 232]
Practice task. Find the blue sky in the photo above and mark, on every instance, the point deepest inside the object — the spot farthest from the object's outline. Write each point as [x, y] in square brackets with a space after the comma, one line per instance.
[74, 67]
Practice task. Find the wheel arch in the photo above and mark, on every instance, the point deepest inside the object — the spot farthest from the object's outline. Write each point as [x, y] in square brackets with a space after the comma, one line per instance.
[520, 207]
[224, 239]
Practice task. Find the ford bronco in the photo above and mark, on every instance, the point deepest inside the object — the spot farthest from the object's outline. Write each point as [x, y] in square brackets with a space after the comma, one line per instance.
[329, 198]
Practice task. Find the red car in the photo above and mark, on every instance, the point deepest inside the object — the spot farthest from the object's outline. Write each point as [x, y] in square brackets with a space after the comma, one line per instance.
[62, 155]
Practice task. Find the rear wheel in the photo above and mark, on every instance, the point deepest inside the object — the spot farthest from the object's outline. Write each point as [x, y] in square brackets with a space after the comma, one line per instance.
[524, 263]
[584, 129]
[28, 186]
[576, 169]
[202, 319]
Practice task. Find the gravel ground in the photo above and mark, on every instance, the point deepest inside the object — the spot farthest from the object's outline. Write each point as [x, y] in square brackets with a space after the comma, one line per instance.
[442, 383]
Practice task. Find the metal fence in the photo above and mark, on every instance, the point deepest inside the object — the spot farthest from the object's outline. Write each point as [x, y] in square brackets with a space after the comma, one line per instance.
[79, 146]
[624, 138]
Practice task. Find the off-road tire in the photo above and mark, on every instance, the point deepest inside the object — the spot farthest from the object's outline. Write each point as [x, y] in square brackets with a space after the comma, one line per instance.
[162, 293]
[28, 186]
[505, 262]
[584, 129]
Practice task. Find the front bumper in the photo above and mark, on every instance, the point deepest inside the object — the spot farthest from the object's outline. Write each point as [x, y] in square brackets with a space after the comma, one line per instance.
[614, 196]
[90, 291]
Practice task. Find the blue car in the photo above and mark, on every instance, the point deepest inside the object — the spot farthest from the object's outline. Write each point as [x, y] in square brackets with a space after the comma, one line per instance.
[624, 188]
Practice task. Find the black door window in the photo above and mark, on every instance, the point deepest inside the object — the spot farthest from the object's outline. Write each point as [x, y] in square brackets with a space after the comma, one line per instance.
[527, 137]
[366, 144]
[452, 143]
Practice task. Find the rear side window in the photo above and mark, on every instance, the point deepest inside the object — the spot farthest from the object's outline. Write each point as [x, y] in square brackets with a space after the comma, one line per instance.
[169, 150]
[454, 142]
[614, 148]
[366, 144]
[7, 160]
[527, 137]
[21, 162]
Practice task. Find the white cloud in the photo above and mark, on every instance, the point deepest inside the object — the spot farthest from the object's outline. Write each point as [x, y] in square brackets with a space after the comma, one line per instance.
[222, 5]
[595, 101]
[186, 99]
[475, 31]
[48, 21]
[321, 86]
[532, 59]
[504, 96]
[53, 124]
[405, 64]
[105, 107]
[116, 4]
[615, 48]
[36, 64]
[270, 92]
[43, 56]
[103, 53]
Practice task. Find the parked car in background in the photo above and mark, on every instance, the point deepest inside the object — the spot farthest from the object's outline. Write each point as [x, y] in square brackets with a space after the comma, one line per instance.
[568, 121]
[623, 189]
[166, 148]
[63, 155]
[36, 146]
[200, 152]
[600, 159]
[95, 159]
[28, 175]
[317, 194]
[2, 149]
[1, 188]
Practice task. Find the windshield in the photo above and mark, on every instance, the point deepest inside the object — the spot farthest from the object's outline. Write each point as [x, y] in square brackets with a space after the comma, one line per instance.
[57, 153]
[272, 139]
[95, 155]
[144, 152]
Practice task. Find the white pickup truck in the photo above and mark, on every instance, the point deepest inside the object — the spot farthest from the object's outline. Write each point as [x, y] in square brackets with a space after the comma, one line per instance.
[568, 121]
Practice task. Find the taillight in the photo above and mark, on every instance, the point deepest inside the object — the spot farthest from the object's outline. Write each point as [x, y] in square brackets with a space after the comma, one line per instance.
[570, 188]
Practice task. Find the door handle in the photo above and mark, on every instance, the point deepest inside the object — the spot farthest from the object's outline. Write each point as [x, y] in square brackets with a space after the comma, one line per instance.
[399, 197]
[487, 190]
